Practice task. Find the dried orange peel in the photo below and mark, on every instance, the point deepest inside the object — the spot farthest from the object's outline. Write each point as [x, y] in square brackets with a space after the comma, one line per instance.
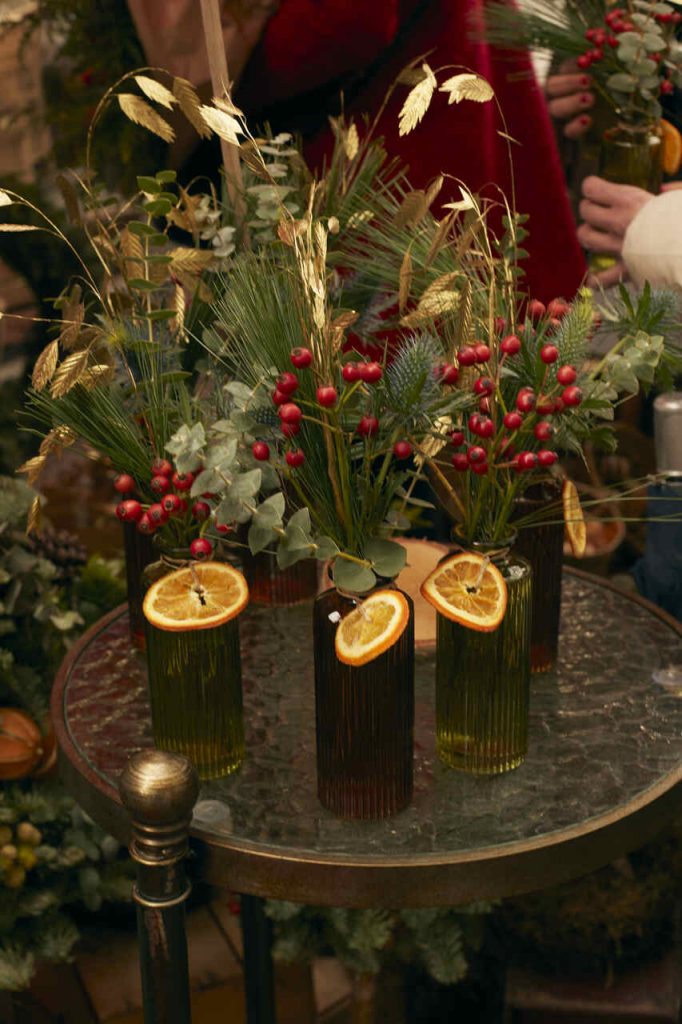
[372, 627]
[574, 520]
[672, 148]
[468, 589]
[200, 596]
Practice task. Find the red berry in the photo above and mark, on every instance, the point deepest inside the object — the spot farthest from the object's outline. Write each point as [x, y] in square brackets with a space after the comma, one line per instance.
[223, 528]
[368, 426]
[157, 514]
[301, 357]
[482, 353]
[525, 400]
[290, 413]
[599, 37]
[500, 323]
[558, 405]
[201, 548]
[129, 511]
[547, 458]
[402, 449]
[182, 507]
[549, 354]
[161, 467]
[572, 396]
[350, 373]
[291, 429]
[460, 461]
[145, 525]
[466, 356]
[278, 397]
[544, 406]
[566, 375]
[584, 61]
[160, 484]
[124, 483]
[480, 468]
[543, 430]
[295, 458]
[327, 396]
[476, 454]
[171, 504]
[370, 372]
[457, 438]
[590, 34]
[511, 345]
[612, 41]
[597, 54]
[449, 374]
[260, 451]
[484, 386]
[286, 383]
[486, 427]
[484, 405]
[183, 481]
[526, 461]
[201, 510]
[474, 422]
[536, 309]
[513, 420]
[667, 87]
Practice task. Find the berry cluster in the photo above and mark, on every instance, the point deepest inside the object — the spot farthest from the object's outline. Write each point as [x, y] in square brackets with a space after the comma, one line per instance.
[172, 490]
[516, 435]
[617, 22]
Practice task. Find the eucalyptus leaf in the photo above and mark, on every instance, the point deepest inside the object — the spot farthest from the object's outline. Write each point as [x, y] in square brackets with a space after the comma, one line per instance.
[271, 511]
[350, 576]
[388, 557]
[260, 536]
[207, 481]
[301, 520]
[325, 548]
[246, 485]
[287, 557]
[222, 456]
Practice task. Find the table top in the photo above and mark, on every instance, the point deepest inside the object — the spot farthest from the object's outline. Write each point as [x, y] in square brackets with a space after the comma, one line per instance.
[603, 772]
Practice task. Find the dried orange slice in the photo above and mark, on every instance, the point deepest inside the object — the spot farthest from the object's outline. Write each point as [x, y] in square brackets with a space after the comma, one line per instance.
[672, 148]
[200, 596]
[468, 589]
[574, 519]
[372, 627]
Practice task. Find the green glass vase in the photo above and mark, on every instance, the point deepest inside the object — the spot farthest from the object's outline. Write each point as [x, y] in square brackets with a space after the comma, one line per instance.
[195, 688]
[364, 719]
[483, 679]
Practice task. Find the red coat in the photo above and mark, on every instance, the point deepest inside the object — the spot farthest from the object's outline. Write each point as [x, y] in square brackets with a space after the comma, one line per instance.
[309, 44]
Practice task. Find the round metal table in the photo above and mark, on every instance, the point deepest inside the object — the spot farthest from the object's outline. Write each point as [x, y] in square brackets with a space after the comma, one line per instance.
[603, 773]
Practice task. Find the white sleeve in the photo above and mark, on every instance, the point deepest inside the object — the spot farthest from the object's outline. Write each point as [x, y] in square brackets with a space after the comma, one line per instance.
[652, 247]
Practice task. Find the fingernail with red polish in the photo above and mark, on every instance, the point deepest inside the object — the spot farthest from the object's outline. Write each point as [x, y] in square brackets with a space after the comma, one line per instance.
[584, 120]
[585, 98]
[584, 81]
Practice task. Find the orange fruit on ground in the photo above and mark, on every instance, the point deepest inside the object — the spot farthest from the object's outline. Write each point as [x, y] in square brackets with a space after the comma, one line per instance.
[672, 148]
[468, 589]
[200, 596]
[574, 519]
[372, 627]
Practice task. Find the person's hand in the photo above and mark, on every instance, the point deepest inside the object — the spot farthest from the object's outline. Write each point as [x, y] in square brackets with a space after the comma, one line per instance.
[607, 211]
[569, 99]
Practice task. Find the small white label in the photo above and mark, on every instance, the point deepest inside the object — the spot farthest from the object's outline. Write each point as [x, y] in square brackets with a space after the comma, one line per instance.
[334, 616]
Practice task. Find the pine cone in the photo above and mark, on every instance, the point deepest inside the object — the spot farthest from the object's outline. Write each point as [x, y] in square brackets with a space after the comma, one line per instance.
[61, 548]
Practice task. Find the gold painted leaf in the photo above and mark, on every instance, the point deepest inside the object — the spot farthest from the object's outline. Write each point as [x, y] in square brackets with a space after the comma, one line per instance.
[442, 283]
[190, 105]
[100, 373]
[289, 230]
[358, 218]
[69, 373]
[405, 281]
[411, 75]
[58, 438]
[417, 102]
[70, 199]
[433, 190]
[248, 152]
[439, 236]
[133, 250]
[467, 87]
[226, 104]
[74, 314]
[46, 364]
[35, 516]
[135, 108]
[5, 198]
[412, 210]
[224, 125]
[192, 261]
[19, 227]
[464, 323]
[180, 307]
[153, 90]
[351, 142]
[333, 225]
[432, 306]
[32, 468]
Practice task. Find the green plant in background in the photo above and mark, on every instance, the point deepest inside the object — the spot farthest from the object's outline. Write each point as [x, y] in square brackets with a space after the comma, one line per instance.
[51, 853]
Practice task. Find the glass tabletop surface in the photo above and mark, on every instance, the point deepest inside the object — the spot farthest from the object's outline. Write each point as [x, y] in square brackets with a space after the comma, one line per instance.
[603, 731]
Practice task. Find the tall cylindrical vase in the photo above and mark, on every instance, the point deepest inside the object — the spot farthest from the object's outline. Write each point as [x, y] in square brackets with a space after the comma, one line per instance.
[195, 689]
[139, 553]
[270, 585]
[483, 681]
[542, 544]
[364, 719]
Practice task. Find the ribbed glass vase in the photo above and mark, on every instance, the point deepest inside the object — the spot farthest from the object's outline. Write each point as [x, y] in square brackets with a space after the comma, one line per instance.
[195, 688]
[139, 552]
[364, 719]
[483, 680]
[270, 585]
[542, 545]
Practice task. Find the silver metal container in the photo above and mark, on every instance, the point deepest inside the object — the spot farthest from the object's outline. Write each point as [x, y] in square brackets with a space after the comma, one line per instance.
[668, 433]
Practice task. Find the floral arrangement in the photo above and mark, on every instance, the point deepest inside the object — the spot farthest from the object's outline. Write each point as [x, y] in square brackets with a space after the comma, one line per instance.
[630, 50]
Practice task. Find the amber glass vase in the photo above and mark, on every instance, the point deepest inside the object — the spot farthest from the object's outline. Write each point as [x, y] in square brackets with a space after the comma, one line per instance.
[483, 680]
[139, 552]
[632, 154]
[364, 719]
[542, 545]
[270, 585]
[195, 688]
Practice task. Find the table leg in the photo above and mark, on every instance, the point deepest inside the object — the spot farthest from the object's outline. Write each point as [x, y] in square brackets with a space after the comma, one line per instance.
[259, 977]
[158, 790]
